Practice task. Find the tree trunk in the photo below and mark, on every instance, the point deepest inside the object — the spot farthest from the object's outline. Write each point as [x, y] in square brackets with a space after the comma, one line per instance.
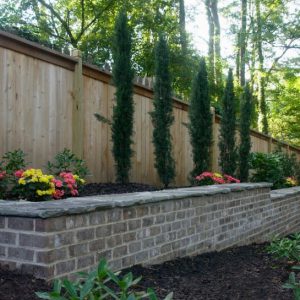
[242, 42]
[183, 39]
[263, 121]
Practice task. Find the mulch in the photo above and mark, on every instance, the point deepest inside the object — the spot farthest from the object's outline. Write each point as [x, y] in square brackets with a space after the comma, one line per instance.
[246, 272]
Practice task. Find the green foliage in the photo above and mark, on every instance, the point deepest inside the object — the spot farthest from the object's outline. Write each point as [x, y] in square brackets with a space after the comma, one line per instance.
[293, 284]
[122, 120]
[66, 161]
[245, 140]
[227, 141]
[99, 284]
[200, 125]
[162, 116]
[13, 161]
[273, 167]
[285, 248]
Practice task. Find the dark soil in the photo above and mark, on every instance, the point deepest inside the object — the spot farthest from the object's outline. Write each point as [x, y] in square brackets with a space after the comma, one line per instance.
[238, 273]
[92, 189]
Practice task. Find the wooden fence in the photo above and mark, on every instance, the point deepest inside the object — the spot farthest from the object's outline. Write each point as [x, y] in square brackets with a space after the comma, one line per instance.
[48, 101]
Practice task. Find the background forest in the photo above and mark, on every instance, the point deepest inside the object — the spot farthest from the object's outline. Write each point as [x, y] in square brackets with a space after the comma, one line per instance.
[263, 38]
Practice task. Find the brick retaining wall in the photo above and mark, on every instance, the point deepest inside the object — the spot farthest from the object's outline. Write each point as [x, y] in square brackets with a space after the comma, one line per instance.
[59, 238]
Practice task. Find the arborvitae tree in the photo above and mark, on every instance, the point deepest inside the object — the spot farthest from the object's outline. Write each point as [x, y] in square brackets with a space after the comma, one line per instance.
[228, 151]
[245, 141]
[200, 124]
[162, 115]
[122, 120]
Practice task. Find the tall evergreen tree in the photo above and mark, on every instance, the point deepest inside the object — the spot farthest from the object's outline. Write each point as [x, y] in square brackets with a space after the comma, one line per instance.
[228, 151]
[122, 120]
[200, 124]
[245, 140]
[162, 115]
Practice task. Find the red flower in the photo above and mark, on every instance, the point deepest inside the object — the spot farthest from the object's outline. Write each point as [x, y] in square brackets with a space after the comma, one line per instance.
[19, 173]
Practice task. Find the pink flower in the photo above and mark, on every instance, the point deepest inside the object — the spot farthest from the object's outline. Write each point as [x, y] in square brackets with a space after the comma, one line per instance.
[19, 173]
[218, 180]
[2, 174]
[58, 194]
[74, 193]
[58, 183]
[230, 179]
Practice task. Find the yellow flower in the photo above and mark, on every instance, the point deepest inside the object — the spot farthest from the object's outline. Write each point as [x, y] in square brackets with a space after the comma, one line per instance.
[22, 181]
[82, 181]
[218, 175]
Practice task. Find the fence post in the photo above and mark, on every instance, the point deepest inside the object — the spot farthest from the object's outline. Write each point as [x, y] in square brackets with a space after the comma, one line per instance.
[78, 107]
[270, 144]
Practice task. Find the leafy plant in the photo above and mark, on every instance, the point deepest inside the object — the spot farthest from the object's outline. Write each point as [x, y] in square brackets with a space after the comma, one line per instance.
[97, 285]
[293, 284]
[209, 178]
[162, 115]
[287, 248]
[66, 161]
[13, 161]
[274, 167]
[200, 121]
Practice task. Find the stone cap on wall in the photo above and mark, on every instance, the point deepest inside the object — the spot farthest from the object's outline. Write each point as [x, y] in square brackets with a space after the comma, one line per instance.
[282, 193]
[79, 205]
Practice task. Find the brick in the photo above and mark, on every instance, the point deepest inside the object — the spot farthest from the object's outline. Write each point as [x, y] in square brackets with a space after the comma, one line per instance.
[104, 231]
[65, 267]
[20, 254]
[51, 256]
[119, 251]
[142, 211]
[129, 213]
[97, 245]
[155, 230]
[148, 221]
[107, 254]
[78, 250]
[77, 221]
[128, 261]
[155, 209]
[98, 217]
[129, 237]
[180, 215]
[114, 241]
[170, 217]
[160, 219]
[119, 227]
[64, 238]
[36, 241]
[85, 234]
[148, 243]
[44, 272]
[141, 257]
[8, 237]
[135, 247]
[24, 224]
[114, 215]
[2, 251]
[85, 261]
[134, 224]
[50, 225]
[2, 222]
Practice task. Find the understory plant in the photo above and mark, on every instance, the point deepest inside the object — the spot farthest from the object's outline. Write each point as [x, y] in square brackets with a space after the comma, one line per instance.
[286, 248]
[66, 161]
[97, 285]
[10, 163]
[209, 178]
[293, 284]
[277, 167]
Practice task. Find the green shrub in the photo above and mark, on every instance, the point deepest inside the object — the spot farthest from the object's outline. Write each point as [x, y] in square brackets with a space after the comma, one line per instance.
[274, 167]
[293, 284]
[286, 248]
[99, 284]
[66, 161]
[11, 162]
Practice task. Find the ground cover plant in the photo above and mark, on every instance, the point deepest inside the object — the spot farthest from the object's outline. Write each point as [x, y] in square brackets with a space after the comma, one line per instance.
[288, 249]
[209, 178]
[99, 284]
